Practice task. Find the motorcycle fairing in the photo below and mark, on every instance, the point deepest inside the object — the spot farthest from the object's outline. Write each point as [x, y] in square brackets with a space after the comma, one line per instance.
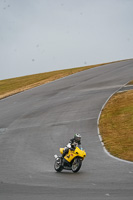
[72, 154]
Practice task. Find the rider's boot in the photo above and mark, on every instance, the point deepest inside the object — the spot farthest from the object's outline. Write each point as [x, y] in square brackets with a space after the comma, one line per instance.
[62, 160]
[63, 155]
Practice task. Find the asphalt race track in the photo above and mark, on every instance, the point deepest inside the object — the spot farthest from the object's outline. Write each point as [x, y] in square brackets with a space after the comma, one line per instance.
[36, 123]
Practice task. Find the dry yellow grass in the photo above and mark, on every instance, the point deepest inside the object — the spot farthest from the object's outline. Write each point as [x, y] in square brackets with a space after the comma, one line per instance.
[130, 83]
[15, 85]
[116, 121]
[116, 125]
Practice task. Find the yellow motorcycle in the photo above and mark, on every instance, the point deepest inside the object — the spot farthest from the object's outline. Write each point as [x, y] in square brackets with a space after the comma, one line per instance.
[72, 160]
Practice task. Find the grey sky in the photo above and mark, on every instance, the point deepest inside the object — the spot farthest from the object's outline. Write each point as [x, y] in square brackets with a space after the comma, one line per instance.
[45, 35]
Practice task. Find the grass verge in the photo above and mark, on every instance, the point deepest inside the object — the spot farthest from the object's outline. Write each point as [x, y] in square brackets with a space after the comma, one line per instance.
[12, 86]
[116, 125]
[116, 121]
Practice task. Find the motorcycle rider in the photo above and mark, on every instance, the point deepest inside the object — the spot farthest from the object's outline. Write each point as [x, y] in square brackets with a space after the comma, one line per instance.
[75, 141]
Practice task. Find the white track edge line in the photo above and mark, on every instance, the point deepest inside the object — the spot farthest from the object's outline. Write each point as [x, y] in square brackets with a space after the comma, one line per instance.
[98, 131]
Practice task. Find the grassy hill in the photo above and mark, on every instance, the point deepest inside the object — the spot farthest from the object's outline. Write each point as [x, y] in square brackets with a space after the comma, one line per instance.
[15, 85]
[116, 121]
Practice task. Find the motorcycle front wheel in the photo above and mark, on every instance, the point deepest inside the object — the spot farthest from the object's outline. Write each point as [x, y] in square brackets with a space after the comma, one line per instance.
[58, 166]
[76, 165]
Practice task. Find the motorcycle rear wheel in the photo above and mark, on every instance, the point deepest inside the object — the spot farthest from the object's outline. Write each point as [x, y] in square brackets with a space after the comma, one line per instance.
[76, 165]
[58, 166]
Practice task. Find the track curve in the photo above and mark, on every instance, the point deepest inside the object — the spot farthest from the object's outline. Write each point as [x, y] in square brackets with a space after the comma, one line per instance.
[35, 123]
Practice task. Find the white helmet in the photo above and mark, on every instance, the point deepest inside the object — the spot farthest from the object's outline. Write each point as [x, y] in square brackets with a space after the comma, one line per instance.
[77, 137]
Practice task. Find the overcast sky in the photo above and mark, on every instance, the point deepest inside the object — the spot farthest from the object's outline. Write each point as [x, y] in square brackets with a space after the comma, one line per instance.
[44, 35]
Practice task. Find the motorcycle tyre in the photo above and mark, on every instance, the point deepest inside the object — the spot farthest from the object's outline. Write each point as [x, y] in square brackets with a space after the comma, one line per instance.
[58, 169]
[79, 161]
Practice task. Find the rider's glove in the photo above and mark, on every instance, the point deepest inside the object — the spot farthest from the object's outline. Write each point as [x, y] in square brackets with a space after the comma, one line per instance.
[69, 145]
